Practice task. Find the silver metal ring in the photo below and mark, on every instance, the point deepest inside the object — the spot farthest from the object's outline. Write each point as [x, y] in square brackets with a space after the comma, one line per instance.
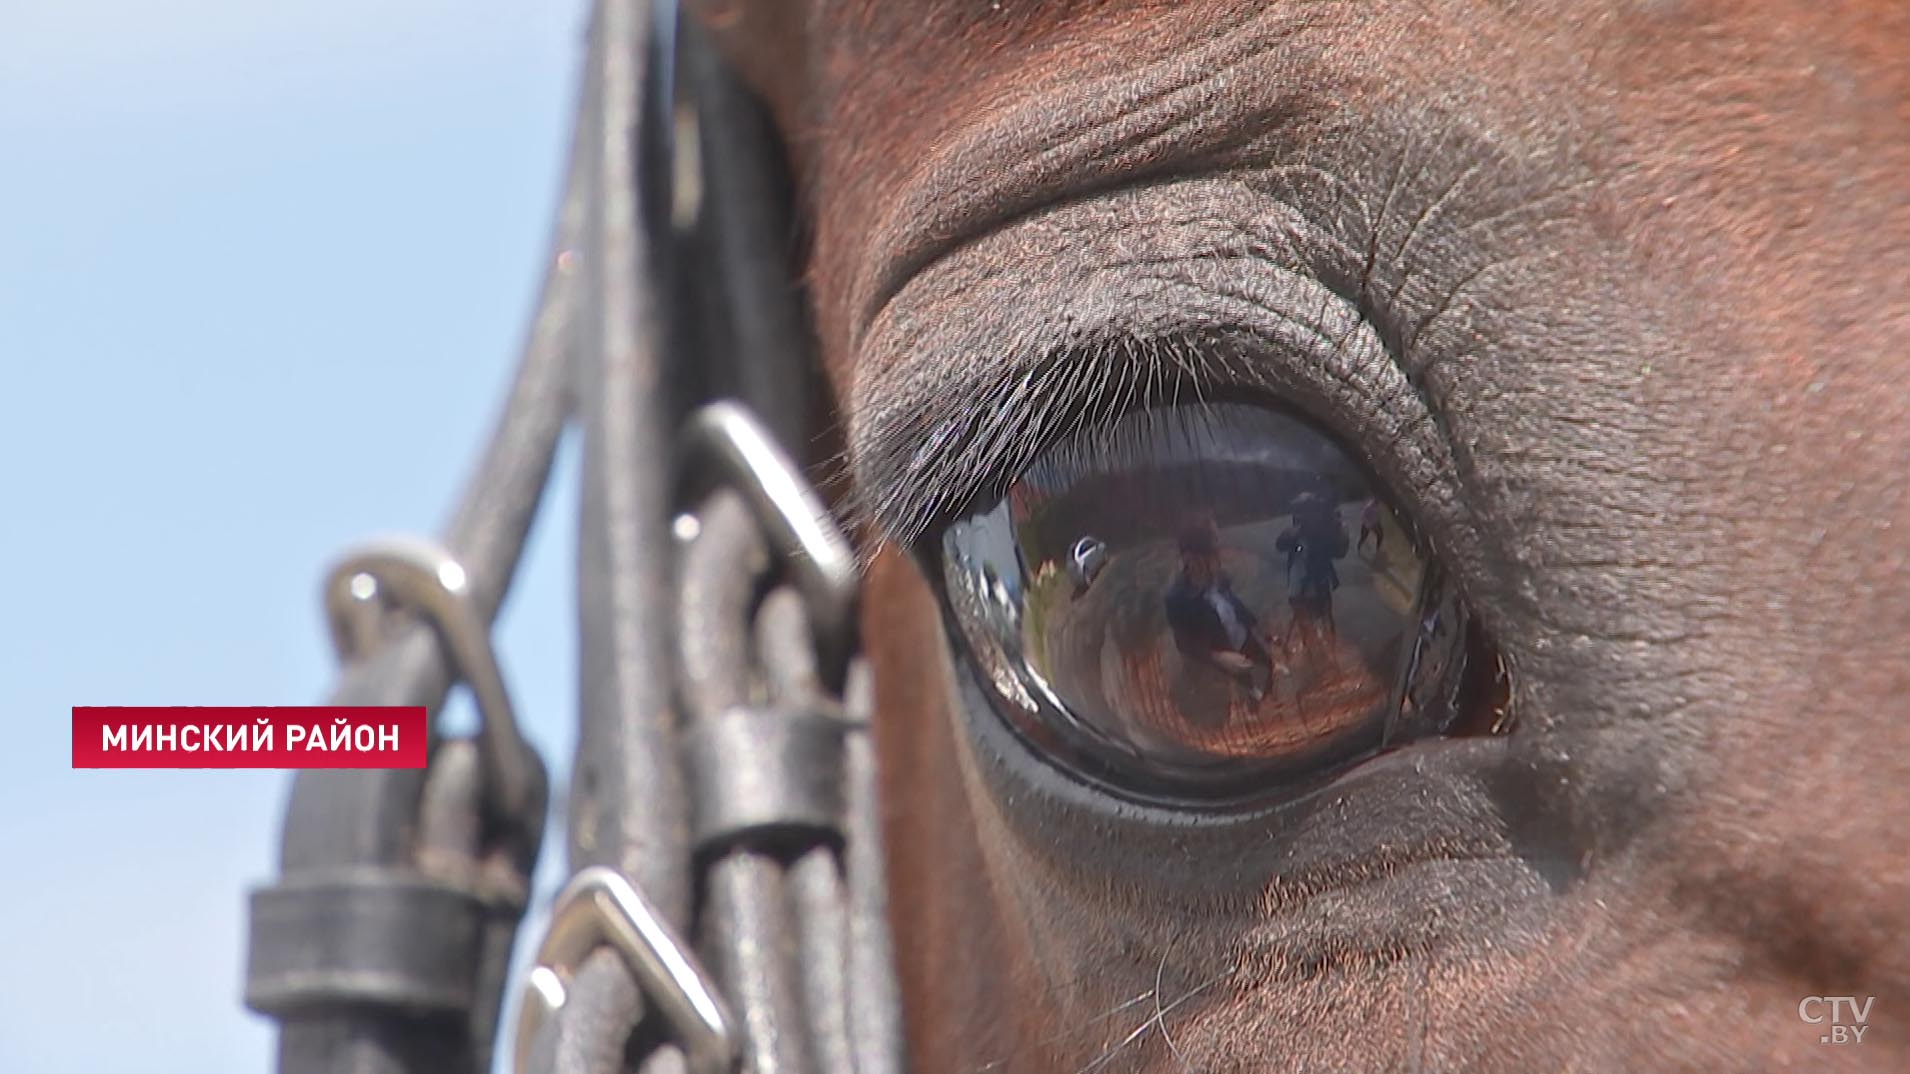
[600, 907]
[423, 577]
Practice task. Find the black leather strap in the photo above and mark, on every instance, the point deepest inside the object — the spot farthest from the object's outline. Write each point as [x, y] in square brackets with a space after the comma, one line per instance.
[367, 936]
[628, 806]
[717, 768]
[343, 822]
[767, 779]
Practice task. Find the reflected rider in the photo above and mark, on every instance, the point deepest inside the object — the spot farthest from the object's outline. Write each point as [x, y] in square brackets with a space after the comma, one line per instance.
[1210, 623]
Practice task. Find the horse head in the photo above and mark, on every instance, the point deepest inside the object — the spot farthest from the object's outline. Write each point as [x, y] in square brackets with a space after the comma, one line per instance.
[1607, 301]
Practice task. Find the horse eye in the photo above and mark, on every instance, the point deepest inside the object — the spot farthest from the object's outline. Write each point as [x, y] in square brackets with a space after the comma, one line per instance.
[1205, 601]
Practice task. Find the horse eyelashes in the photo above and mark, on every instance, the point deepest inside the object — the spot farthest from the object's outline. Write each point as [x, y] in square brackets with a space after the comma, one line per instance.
[1205, 602]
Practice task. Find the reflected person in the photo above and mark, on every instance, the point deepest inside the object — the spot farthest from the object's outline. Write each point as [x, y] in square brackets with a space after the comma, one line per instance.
[1370, 527]
[1312, 541]
[1211, 624]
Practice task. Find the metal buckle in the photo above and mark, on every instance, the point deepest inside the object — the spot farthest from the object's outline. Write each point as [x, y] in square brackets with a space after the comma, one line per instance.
[599, 907]
[727, 437]
[724, 447]
[423, 577]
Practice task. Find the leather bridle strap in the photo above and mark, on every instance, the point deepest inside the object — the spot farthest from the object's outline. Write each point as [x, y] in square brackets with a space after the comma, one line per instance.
[383, 947]
[749, 832]
[790, 915]
[723, 788]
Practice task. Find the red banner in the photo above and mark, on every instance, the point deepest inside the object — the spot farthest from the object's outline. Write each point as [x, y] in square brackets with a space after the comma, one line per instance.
[320, 736]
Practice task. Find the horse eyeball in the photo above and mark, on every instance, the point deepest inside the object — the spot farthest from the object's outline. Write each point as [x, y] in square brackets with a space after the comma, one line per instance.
[1204, 601]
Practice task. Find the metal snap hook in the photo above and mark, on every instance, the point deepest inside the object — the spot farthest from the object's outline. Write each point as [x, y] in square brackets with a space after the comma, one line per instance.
[726, 445]
[422, 577]
[600, 907]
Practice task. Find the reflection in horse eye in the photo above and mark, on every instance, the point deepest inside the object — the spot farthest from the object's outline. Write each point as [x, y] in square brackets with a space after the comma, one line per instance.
[1198, 599]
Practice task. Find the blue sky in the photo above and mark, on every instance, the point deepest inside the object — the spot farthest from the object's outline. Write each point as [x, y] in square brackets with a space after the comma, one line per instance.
[263, 272]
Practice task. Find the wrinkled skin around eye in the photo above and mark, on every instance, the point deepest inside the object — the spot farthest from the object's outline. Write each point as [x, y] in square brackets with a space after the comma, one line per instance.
[1203, 596]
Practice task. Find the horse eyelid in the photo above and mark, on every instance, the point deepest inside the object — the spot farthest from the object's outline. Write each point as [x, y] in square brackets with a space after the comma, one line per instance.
[917, 467]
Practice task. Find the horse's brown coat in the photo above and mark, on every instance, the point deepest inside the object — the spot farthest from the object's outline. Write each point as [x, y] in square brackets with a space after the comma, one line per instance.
[1645, 269]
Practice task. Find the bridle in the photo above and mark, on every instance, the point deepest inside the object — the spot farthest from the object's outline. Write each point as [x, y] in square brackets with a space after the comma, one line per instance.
[727, 908]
